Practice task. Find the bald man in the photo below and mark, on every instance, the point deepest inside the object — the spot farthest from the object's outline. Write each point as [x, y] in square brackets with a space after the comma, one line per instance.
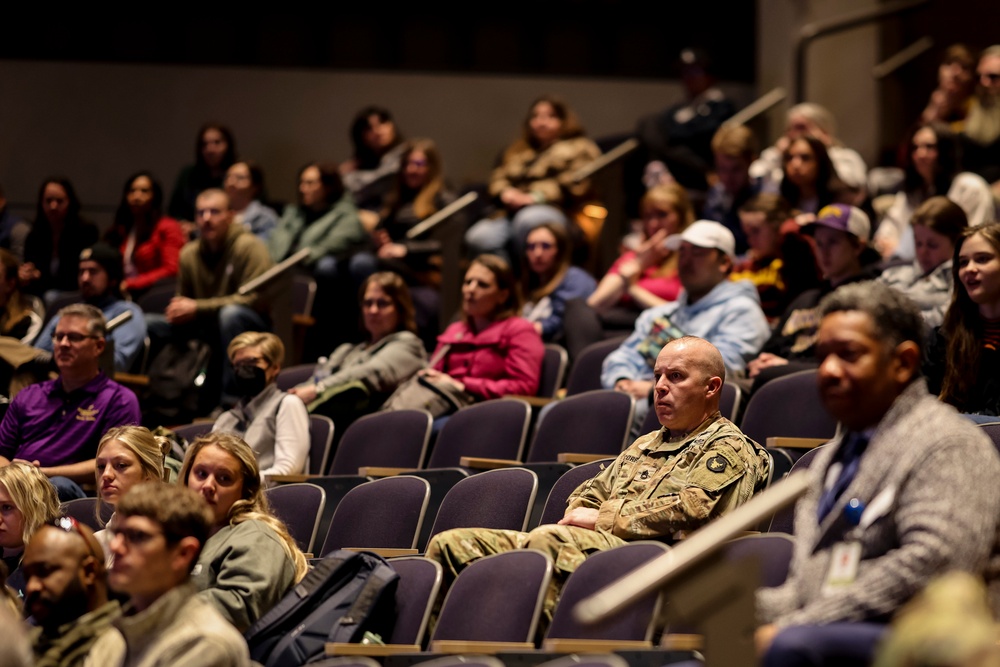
[66, 593]
[664, 486]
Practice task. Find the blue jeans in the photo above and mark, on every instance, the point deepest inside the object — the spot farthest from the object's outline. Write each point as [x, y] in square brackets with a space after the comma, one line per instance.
[67, 489]
[496, 235]
[836, 644]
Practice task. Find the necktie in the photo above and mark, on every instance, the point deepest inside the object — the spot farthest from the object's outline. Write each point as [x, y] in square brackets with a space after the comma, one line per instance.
[850, 459]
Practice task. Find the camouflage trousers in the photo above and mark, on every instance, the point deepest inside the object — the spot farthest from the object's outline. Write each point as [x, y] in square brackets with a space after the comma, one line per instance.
[568, 546]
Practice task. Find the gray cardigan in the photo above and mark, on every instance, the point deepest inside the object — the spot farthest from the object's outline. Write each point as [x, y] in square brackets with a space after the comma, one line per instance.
[382, 366]
[944, 516]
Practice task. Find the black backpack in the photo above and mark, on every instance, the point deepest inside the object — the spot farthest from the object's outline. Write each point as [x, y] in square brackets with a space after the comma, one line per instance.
[346, 594]
[179, 383]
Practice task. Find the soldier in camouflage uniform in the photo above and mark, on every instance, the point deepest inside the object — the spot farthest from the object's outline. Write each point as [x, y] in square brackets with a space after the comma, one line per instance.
[664, 486]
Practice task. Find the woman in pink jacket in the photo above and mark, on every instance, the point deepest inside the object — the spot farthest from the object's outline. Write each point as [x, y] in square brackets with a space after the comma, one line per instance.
[491, 352]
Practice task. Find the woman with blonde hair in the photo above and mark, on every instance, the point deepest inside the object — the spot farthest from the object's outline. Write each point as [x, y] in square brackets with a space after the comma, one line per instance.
[126, 456]
[27, 502]
[250, 561]
[274, 424]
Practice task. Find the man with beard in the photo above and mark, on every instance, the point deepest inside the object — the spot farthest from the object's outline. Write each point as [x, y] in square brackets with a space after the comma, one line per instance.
[906, 492]
[981, 152]
[66, 593]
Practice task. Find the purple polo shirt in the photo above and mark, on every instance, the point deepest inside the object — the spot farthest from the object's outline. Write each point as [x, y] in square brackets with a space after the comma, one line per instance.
[49, 425]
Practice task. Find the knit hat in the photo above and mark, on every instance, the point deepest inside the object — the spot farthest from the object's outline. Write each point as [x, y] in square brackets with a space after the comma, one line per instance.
[109, 259]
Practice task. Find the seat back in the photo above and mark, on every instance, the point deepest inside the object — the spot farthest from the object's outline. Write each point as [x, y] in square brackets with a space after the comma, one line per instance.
[303, 294]
[585, 375]
[634, 623]
[294, 375]
[788, 406]
[416, 592]
[64, 299]
[513, 582]
[300, 507]
[493, 499]
[320, 438]
[191, 431]
[493, 429]
[383, 514]
[992, 429]
[594, 422]
[771, 551]
[156, 299]
[83, 510]
[553, 370]
[396, 439]
[783, 520]
[596, 660]
[555, 504]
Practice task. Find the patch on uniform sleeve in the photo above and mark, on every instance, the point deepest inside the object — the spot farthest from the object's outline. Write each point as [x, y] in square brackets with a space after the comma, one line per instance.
[717, 464]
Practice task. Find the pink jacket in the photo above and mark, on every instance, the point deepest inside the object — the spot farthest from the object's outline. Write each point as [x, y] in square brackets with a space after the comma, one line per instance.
[504, 358]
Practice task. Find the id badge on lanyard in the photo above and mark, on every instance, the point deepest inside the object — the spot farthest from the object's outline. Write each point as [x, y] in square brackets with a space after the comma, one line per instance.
[846, 556]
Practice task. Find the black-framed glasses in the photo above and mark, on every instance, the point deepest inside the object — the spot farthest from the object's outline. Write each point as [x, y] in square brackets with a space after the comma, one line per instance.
[540, 245]
[71, 336]
[377, 303]
[990, 76]
[134, 537]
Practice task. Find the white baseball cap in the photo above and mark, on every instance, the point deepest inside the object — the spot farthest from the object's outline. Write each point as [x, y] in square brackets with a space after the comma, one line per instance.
[705, 234]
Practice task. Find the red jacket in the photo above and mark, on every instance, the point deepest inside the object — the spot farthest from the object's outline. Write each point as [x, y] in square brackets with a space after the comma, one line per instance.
[157, 257]
[504, 358]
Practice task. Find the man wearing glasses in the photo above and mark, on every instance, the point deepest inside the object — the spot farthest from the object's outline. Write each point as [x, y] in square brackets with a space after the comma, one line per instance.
[158, 536]
[66, 593]
[56, 425]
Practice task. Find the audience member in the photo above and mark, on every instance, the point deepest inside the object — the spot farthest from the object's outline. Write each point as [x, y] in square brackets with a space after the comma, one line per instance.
[982, 126]
[809, 180]
[962, 364]
[357, 378]
[53, 245]
[780, 262]
[27, 501]
[98, 277]
[15, 650]
[841, 233]
[418, 191]
[214, 153]
[212, 268]
[19, 319]
[161, 530]
[534, 181]
[937, 226]
[950, 101]
[273, 423]
[57, 424]
[933, 167]
[249, 561]
[66, 594]
[699, 466]
[489, 353]
[678, 139]
[325, 220]
[642, 277]
[727, 314]
[244, 184]
[126, 456]
[734, 148]
[906, 492]
[150, 242]
[548, 280]
[816, 121]
[378, 146]
[14, 229]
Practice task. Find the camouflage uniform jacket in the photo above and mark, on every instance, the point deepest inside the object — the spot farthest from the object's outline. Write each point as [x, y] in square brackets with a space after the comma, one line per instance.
[658, 489]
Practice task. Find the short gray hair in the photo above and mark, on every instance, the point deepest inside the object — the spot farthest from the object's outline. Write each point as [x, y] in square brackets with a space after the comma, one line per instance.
[96, 324]
[894, 315]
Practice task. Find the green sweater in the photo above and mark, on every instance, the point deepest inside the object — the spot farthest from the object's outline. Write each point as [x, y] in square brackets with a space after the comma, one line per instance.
[336, 232]
[212, 279]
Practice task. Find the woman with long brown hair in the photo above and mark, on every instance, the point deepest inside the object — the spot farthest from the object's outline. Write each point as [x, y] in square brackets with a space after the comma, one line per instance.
[548, 280]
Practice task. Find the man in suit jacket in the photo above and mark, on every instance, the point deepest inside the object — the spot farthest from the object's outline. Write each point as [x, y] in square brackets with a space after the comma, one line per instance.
[906, 492]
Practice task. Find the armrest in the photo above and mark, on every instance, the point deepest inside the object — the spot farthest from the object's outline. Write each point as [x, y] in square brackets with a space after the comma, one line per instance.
[795, 443]
[486, 464]
[132, 379]
[594, 645]
[377, 471]
[385, 552]
[372, 650]
[683, 642]
[289, 479]
[536, 401]
[455, 646]
[570, 457]
[303, 320]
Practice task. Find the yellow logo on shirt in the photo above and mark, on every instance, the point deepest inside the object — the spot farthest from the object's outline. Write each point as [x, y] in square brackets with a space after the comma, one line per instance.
[86, 414]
